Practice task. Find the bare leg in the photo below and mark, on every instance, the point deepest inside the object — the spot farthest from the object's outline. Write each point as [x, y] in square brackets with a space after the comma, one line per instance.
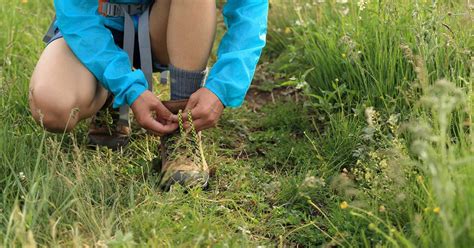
[158, 27]
[191, 27]
[62, 90]
[190, 31]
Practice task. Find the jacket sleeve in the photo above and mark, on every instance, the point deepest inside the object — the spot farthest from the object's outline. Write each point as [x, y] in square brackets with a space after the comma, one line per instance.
[85, 33]
[239, 50]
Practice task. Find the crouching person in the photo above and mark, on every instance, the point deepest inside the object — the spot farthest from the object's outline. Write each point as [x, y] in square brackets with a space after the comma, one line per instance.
[100, 56]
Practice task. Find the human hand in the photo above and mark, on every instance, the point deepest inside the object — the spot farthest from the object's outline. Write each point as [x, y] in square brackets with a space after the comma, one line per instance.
[152, 115]
[206, 109]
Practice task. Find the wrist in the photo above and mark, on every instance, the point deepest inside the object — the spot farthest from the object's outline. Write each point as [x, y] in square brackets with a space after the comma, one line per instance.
[217, 95]
[134, 92]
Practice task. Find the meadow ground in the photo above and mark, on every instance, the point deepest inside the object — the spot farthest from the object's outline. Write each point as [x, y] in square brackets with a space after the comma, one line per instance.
[357, 133]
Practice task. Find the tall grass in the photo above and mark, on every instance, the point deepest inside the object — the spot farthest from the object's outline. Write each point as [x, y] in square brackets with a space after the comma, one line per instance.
[382, 154]
[56, 192]
[387, 50]
[379, 61]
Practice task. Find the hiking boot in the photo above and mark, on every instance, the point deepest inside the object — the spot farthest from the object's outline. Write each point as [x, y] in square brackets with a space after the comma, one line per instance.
[108, 129]
[182, 155]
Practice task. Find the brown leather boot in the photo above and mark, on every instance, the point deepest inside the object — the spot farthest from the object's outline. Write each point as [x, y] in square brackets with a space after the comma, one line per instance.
[182, 155]
[108, 129]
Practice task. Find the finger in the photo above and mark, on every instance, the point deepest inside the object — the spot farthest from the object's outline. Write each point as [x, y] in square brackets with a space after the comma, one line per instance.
[173, 118]
[192, 103]
[200, 124]
[160, 119]
[157, 127]
[163, 120]
[170, 128]
[163, 113]
[199, 112]
[196, 114]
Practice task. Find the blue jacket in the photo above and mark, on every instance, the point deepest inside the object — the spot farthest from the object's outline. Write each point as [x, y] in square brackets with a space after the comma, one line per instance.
[84, 30]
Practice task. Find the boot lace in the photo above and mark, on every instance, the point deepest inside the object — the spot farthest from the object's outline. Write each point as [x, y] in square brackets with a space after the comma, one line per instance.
[185, 143]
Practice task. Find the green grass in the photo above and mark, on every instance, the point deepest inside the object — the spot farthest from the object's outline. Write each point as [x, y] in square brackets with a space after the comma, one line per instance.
[374, 73]
[374, 147]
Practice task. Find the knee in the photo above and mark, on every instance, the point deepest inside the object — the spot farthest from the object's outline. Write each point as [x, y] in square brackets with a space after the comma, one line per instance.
[53, 114]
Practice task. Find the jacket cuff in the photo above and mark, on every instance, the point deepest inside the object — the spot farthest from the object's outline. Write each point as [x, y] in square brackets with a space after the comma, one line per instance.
[221, 92]
[130, 96]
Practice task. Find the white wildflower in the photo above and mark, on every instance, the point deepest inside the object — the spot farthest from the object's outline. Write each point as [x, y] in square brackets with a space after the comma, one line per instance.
[313, 182]
[302, 85]
[344, 11]
[370, 116]
[362, 4]
[393, 119]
